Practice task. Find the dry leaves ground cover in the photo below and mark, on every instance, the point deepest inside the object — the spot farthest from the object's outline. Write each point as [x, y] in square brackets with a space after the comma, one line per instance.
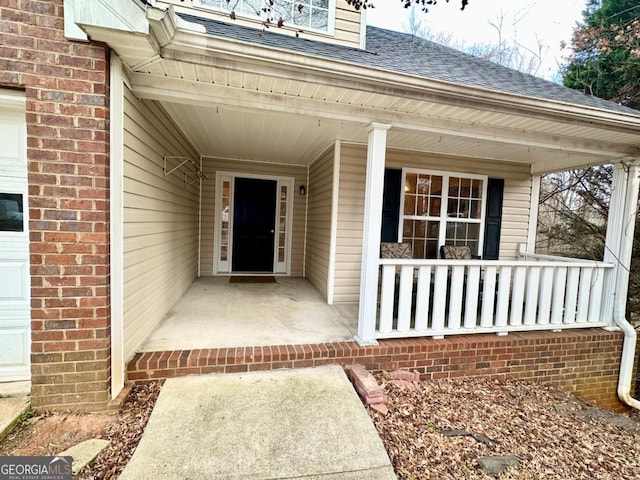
[51, 433]
[553, 434]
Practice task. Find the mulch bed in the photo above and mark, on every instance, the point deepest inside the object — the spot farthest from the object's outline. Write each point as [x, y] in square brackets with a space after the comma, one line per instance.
[439, 429]
[124, 434]
[50, 433]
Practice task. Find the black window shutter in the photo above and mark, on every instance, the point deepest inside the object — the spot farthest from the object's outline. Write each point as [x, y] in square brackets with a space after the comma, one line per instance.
[493, 219]
[391, 204]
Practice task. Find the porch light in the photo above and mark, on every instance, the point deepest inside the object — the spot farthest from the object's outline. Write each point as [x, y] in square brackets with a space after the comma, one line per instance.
[303, 190]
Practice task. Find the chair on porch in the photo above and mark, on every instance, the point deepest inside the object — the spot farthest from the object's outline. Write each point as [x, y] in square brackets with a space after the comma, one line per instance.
[457, 252]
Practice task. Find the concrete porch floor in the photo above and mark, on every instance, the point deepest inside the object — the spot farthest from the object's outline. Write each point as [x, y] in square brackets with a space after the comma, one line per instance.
[214, 313]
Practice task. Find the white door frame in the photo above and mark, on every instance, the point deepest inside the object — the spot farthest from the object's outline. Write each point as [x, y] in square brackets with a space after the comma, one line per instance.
[223, 267]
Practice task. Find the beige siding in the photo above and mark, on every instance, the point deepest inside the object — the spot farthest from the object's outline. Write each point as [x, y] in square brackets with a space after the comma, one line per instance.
[213, 165]
[160, 220]
[319, 222]
[346, 32]
[515, 210]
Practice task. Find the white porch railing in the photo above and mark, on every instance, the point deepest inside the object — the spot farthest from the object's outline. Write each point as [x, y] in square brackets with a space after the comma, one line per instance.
[446, 297]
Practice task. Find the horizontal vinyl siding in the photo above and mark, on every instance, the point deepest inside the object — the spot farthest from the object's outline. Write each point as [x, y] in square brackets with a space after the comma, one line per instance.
[319, 222]
[346, 31]
[350, 223]
[515, 210]
[160, 220]
[213, 165]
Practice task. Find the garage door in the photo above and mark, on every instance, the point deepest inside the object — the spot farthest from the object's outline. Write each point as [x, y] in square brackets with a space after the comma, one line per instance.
[15, 318]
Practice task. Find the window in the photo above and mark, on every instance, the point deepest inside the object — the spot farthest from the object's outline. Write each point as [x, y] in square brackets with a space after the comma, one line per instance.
[439, 208]
[11, 212]
[314, 15]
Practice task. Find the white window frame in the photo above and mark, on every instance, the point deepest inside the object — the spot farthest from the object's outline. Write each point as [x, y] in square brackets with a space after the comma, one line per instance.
[331, 17]
[443, 219]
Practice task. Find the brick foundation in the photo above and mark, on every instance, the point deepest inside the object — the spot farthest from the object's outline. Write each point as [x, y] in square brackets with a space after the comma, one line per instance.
[583, 362]
[66, 87]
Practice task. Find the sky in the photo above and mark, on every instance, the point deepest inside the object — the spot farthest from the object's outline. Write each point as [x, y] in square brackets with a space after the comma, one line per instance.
[551, 21]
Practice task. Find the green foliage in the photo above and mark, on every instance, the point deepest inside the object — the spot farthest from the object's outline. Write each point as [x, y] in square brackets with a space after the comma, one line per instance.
[606, 52]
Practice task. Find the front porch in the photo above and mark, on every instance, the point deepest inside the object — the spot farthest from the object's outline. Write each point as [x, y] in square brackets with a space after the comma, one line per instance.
[214, 313]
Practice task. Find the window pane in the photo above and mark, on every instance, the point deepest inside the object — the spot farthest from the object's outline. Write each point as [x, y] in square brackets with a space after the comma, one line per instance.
[454, 186]
[11, 212]
[452, 207]
[463, 209]
[410, 183]
[424, 185]
[320, 19]
[465, 187]
[476, 190]
[407, 230]
[434, 207]
[423, 206]
[301, 16]
[436, 185]
[320, 3]
[475, 209]
[409, 205]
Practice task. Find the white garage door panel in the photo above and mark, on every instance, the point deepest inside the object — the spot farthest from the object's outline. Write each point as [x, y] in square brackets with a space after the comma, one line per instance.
[15, 296]
[13, 282]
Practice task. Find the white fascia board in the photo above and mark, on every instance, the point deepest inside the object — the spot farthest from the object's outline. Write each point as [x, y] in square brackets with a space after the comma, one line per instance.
[122, 15]
[71, 30]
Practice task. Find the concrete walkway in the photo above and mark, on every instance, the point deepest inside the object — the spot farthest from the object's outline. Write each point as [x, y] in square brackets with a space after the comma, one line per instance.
[283, 424]
[14, 399]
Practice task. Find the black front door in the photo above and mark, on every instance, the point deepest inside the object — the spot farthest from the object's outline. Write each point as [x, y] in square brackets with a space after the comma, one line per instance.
[254, 218]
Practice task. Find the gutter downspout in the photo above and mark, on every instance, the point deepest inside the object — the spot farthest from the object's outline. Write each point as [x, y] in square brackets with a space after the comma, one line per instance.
[622, 283]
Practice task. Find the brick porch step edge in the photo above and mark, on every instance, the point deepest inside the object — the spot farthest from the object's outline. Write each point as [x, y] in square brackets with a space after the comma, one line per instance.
[584, 362]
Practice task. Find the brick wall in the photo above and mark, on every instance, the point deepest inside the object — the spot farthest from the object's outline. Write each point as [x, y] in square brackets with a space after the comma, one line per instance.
[583, 362]
[66, 86]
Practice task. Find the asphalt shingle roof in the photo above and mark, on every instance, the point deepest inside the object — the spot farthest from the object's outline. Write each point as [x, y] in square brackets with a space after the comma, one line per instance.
[404, 53]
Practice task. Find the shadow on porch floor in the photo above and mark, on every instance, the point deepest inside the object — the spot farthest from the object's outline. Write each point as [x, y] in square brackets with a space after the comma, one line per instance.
[214, 313]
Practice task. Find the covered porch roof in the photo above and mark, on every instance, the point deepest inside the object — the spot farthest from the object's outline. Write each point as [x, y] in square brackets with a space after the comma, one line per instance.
[244, 94]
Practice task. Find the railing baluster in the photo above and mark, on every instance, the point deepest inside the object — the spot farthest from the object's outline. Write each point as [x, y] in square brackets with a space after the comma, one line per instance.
[573, 276]
[504, 292]
[423, 292]
[471, 301]
[545, 295]
[531, 296]
[595, 299]
[404, 299]
[517, 297]
[439, 297]
[455, 296]
[387, 299]
[488, 297]
[557, 303]
[584, 291]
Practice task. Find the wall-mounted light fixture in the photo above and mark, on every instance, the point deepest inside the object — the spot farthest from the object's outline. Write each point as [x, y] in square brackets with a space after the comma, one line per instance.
[303, 190]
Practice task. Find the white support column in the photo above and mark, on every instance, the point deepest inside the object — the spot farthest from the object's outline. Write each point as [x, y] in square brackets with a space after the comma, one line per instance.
[374, 186]
[116, 197]
[533, 214]
[615, 226]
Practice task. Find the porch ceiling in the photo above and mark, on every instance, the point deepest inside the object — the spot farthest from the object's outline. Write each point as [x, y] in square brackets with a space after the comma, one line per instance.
[238, 100]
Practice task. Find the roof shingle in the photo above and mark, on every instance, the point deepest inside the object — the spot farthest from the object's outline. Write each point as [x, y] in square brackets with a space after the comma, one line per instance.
[403, 53]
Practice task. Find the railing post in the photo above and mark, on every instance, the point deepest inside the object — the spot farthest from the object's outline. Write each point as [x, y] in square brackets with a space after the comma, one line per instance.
[374, 186]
